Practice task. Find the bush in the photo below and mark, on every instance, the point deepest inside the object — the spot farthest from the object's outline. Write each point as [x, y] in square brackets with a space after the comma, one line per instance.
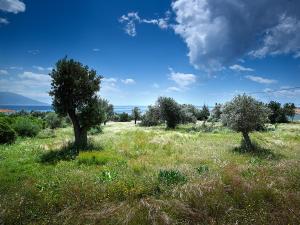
[7, 134]
[277, 113]
[202, 169]
[124, 117]
[204, 113]
[96, 130]
[27, 127]
[216, 113]
[169, 111]
[53, 120]
[188, 114]
[170, 177]
[151, 117]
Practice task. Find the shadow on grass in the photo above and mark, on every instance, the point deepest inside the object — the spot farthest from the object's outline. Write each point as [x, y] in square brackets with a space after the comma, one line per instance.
[257, 151]
[66, 153]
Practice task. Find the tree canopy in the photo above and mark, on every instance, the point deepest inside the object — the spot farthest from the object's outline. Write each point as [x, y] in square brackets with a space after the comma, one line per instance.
[244, 114]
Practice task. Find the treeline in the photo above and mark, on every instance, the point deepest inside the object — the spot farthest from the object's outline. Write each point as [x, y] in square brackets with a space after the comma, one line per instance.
[167, 110]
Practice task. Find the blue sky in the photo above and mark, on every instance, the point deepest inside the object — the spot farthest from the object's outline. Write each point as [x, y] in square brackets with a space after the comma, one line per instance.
[197, 51]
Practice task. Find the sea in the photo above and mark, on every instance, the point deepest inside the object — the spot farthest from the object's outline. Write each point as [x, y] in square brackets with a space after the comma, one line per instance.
[117, 109]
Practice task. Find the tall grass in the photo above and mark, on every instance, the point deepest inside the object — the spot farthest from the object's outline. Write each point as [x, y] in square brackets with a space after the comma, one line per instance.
[136, 175]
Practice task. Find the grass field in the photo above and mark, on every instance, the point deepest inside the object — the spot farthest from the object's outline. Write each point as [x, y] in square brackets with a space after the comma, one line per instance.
[136, 175]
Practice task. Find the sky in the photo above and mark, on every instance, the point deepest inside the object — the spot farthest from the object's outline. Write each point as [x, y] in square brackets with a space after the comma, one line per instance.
[196, 51]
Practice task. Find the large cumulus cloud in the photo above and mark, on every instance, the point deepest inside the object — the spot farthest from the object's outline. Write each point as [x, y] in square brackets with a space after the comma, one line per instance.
[218, 32]
[12, 6]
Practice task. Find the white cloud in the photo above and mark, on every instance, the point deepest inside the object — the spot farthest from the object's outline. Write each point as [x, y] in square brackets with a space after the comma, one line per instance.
[129, 20]
[132, 18]
[218, 33]
[40, 68]
[12, 6]
[16, 68]
[109, 80]
[283, 92]
[34, 51]
[261, 80]
[3, 21]
[3, 72]
[30, 84]
[109, 85]
[173, 89]
[128, 81]
[284, 38]
[42, 78]
[183, 80]
[95, 49]
[240, 68]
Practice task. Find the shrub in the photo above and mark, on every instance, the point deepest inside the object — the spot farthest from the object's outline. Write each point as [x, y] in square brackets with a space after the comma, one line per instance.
[216, 112]
[169, 111]
[188, 114]
[7, 134]
[53, 120]
[202, 169]
[170, 177]
[27, 127]
[96, 130]
[204, 113]
[124, 117]
[115, 117]
[277, 113]
[151, 117]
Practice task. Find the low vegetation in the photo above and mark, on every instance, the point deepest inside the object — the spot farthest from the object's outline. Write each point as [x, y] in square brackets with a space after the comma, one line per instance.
[150, 175]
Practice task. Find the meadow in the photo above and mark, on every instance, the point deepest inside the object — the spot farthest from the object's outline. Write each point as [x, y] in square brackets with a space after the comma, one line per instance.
[139, 175]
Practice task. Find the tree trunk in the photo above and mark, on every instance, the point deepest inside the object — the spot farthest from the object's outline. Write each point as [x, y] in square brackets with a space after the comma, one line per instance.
[80, 137]
[135, 121]
[80, 133]
[247, 141]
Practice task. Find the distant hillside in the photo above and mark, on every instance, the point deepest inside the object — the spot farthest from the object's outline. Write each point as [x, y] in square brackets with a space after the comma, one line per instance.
[8, 98]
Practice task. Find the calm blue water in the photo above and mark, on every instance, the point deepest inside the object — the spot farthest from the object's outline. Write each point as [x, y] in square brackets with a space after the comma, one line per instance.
[117, 109]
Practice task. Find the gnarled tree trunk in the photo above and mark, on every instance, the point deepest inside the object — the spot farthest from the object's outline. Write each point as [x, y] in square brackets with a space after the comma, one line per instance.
[80, 133]
[247, 140]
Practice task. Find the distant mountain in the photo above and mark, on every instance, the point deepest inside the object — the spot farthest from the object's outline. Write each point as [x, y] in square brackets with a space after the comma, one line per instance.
[8, 98]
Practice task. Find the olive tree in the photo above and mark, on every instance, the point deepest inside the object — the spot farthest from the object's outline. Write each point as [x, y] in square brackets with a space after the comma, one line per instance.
[151, 117]
[170, 111]
[74, 90]
[53, 120]
[136, 114]
[216, 112]
[204, 113]
[244, 114]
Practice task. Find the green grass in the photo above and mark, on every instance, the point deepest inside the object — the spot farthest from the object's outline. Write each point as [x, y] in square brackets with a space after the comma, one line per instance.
[137, 175]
